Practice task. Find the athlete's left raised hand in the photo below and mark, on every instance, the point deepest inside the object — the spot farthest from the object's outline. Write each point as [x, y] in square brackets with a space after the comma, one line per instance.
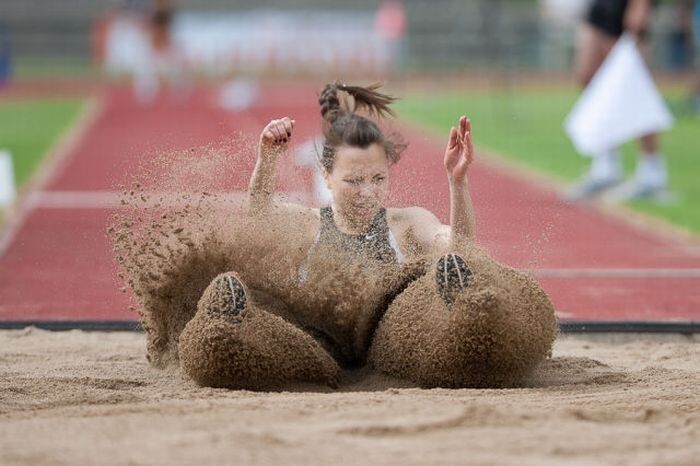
[460, 151]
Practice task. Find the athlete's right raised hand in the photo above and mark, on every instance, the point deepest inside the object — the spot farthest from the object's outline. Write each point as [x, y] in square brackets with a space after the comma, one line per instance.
[277, 133]
[273, 142]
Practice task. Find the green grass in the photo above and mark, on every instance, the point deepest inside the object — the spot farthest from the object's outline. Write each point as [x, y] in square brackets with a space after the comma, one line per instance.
[52, 68]
[28, 128]
[527, 126]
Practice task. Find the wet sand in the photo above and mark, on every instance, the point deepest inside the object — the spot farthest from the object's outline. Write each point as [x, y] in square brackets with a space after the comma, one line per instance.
[92, 398]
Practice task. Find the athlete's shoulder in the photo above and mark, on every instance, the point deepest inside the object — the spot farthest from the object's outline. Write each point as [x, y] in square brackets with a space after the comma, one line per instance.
[407, 214]
[412, 218]
[416, 229]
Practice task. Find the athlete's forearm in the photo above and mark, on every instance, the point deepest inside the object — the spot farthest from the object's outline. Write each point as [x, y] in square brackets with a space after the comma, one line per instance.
[462, 224]
[273, 142]
[262, 183]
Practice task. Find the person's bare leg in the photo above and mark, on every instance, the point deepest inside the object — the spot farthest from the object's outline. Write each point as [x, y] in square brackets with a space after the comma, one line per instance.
[233, 343]
[649, 144]
[592, 46]
[490, 326]
[605, 172]
[651, 175]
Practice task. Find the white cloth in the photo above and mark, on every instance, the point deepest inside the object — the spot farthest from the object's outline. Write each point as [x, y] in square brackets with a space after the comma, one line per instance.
[7, 179]
[620, 104]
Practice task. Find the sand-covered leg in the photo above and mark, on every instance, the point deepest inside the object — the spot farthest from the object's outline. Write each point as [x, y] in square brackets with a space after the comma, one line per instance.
[471, 323]
[235, 344]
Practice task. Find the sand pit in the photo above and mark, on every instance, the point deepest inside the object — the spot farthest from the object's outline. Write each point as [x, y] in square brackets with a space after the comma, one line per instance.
[85, 398]
[305, 313]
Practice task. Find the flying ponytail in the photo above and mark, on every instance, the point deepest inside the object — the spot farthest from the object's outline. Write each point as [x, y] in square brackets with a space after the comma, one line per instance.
[343, 126]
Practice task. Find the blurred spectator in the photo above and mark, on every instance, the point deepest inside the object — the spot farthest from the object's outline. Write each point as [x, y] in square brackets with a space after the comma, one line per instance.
[5, 55]
[161, 24]
[696, 28]
[166, 57]
[390, 25]
[680, 39]
[138, 41]
[605, 22]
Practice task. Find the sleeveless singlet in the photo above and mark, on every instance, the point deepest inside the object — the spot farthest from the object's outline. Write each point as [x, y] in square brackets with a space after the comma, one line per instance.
[378, 243]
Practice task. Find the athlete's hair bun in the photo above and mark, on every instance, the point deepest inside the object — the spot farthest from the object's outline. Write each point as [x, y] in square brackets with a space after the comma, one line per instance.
[343, 126]
[337, 98]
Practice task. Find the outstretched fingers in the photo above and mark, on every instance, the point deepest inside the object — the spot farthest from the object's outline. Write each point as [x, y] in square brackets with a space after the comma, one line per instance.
[452, 139]
[469, 155]
[452, 150]
[460, 150]
[465, 126]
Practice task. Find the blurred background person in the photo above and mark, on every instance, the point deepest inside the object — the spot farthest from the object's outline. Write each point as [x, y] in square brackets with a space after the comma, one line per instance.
[390, 25]
[139, 42]
[696, 35]
[680, 37]
[166, 61]
[127, 48]
[161, 24]
[604, 23]
[5, 63]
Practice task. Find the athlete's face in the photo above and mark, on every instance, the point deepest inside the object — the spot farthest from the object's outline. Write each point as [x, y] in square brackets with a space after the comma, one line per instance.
[359, 182]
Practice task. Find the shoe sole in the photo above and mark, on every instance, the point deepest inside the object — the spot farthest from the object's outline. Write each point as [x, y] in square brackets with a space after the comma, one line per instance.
[452, 276]
[235, 295]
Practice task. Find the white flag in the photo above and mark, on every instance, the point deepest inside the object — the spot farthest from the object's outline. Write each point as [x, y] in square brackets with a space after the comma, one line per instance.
[620, 104]
[7, 179]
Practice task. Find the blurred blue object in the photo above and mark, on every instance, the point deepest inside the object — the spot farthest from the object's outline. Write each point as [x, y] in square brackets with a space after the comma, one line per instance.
[5, 62]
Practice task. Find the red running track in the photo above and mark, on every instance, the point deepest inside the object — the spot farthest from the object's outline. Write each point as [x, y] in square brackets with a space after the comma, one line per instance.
[55, 263]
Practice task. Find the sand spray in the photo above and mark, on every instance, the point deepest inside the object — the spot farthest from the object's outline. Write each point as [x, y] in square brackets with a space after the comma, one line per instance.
[179, 227]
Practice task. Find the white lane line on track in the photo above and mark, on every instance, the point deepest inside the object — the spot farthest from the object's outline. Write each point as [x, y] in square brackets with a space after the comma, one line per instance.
[112, 200]
[640, 273]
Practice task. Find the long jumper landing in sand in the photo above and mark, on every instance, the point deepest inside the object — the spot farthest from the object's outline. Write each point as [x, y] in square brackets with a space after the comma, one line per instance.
[280, 293]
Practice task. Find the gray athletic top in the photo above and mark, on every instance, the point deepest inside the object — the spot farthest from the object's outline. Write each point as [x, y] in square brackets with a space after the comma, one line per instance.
[378, 243]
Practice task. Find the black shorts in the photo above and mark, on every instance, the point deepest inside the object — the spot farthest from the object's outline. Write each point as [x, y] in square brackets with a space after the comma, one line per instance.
[608, 16]
[162, 18]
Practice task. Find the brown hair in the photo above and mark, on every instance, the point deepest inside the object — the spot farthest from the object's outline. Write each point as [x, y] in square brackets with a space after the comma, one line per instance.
[342, 126]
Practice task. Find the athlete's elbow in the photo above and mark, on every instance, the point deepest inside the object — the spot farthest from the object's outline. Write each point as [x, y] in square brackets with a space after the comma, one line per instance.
[259, 203]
